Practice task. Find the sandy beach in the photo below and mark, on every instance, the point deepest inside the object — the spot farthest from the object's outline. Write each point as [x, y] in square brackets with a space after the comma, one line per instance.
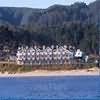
[82, 72]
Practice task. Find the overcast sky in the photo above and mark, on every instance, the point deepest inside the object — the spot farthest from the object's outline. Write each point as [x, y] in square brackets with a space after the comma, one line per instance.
[38, 3]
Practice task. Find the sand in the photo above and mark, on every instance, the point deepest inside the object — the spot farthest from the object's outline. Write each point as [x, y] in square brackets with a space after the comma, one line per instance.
[82, 72]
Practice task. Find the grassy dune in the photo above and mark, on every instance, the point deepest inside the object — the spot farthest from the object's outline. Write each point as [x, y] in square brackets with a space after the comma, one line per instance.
[12, 67]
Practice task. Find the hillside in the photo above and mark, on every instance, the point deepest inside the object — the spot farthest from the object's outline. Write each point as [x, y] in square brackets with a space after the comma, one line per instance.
[77, 24]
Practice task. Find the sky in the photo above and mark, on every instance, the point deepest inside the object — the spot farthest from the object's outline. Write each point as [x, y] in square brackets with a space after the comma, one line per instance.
[38, 3]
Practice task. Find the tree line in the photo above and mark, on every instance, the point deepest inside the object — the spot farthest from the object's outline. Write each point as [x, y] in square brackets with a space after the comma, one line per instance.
[83, 36]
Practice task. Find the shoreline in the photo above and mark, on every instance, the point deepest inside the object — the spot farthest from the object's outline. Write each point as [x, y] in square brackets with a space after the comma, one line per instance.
[78, 72]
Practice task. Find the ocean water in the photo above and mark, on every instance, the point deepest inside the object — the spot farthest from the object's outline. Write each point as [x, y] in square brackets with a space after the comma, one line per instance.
[67, 87]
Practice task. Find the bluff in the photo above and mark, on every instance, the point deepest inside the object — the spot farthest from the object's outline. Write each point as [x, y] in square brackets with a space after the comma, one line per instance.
[77, 24]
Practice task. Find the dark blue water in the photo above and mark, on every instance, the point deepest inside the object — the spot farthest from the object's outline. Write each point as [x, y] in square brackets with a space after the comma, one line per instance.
[73, 87]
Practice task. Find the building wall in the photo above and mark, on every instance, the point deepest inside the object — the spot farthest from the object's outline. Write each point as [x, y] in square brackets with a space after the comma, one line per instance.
[37, 56]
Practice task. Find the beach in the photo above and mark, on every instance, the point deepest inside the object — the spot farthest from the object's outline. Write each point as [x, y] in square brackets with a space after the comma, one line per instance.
[78, 72]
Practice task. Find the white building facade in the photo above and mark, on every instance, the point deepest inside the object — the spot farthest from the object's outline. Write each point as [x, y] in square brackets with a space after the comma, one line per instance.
[44, 56]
